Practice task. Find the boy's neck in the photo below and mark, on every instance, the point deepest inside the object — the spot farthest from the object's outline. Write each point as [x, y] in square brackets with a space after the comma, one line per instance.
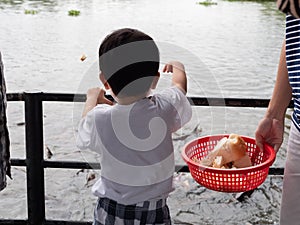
[127, 100]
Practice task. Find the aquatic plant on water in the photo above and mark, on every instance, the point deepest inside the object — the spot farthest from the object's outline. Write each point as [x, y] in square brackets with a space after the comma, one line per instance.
[74, 12]
[207, 3]
[30, 11]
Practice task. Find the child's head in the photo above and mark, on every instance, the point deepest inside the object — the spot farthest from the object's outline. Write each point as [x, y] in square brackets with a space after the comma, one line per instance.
[129, 62]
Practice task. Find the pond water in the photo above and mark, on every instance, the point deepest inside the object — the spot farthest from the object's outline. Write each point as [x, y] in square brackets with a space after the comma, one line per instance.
[230, 49]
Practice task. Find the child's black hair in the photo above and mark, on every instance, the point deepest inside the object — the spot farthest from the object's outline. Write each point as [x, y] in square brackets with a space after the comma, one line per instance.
[129, 60]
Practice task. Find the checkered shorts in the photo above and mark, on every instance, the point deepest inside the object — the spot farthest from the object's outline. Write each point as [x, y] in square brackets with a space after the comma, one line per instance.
[109, 212]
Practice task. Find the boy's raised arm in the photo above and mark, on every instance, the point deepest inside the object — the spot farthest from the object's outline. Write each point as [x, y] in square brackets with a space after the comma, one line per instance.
[179, 75]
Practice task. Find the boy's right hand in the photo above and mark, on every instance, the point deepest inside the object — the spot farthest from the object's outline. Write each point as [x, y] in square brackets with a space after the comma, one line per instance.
[95, 96]
[98, 95]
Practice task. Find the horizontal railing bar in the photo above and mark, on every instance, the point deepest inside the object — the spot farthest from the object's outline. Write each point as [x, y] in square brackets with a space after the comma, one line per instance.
[276, 171]
[60, 222]
[47, 97]
[233, 102]
[18, 162]
[95, 165]
[272, 170]
[196, 101]
[15, 96]
[13, 222]
[71, 165]
[47, 222]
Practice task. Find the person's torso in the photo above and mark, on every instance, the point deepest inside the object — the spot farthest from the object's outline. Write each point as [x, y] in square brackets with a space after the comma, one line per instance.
[293, 63]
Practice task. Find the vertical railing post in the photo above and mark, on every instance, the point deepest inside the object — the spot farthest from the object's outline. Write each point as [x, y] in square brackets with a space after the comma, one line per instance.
[34, 158]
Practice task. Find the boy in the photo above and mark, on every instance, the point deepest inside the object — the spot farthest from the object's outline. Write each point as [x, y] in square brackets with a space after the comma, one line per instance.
[133, 136]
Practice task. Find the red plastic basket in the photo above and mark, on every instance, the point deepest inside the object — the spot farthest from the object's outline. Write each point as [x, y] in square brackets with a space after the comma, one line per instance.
[228, 180]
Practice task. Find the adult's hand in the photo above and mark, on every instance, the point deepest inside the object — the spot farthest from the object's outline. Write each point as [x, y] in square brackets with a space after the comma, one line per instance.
[269, 131]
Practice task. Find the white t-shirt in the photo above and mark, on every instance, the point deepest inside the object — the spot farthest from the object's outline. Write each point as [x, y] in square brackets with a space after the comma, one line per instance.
[135, 145]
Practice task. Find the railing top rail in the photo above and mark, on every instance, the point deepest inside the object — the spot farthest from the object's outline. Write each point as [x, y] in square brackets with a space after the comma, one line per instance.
[194, 100]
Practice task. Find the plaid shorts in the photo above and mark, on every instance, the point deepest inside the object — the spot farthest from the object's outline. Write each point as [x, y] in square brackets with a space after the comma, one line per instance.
[109, 212]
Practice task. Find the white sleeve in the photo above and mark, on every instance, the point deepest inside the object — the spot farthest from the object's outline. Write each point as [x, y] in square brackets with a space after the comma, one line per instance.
[87, 137]
[181, 104]
[183, 108]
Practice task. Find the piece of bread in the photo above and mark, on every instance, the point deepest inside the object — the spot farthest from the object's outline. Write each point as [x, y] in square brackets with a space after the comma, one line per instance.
[234, 149]
[218, 162]
[243, 162]
[231, 150]
[209, 159]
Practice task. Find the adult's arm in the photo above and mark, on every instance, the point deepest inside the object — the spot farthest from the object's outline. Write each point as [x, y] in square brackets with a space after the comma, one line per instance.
[271, 127]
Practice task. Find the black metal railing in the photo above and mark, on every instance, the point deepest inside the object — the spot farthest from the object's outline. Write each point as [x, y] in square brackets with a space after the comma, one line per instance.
[35, 162]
